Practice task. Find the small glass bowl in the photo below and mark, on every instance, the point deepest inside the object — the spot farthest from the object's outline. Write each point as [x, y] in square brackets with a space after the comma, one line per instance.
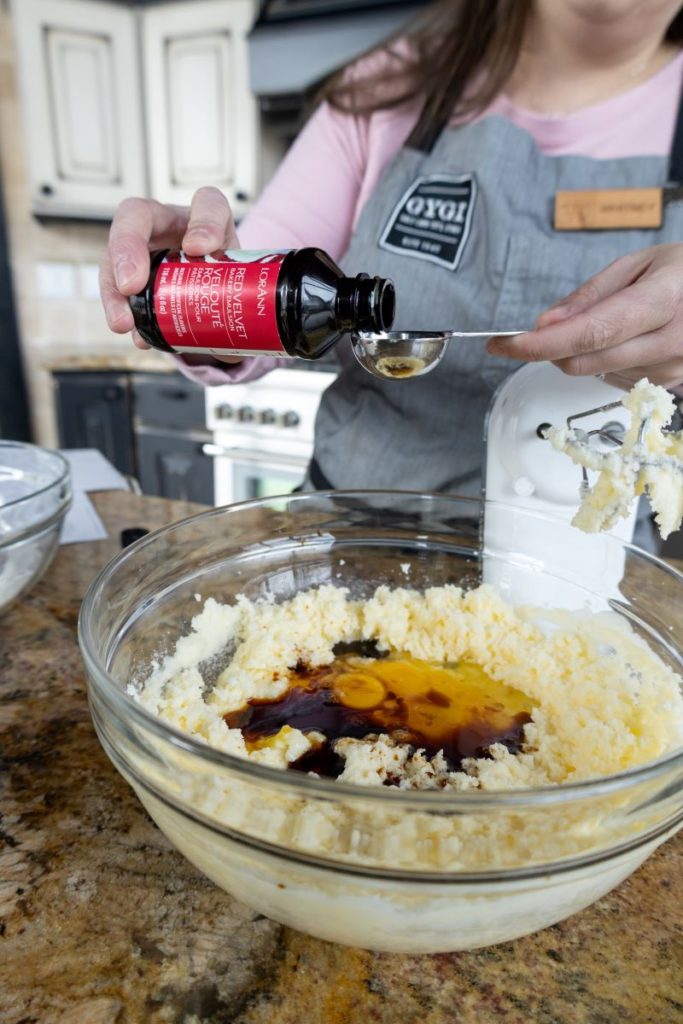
[376, 867]
[35, 493]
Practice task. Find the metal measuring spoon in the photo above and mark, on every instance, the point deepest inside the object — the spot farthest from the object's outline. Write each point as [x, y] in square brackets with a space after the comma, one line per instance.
[397, 355]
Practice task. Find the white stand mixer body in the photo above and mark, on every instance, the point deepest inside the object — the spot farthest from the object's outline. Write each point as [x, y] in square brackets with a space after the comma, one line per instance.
[523, 469]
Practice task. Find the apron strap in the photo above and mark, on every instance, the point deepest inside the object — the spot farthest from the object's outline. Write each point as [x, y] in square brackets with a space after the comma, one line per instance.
[676, 157]
[318, 478]
[424, 134]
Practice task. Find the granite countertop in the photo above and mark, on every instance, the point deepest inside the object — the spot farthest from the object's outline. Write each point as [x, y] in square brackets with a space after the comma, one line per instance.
[131, 358]
[102, 922]
[148, 361]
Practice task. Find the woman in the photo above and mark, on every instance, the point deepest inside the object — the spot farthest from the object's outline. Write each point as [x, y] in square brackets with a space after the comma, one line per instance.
[476, 120]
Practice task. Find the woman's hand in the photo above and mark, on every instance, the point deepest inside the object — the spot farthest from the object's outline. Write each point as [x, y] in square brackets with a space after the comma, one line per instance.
[143, 225]
[625, 323]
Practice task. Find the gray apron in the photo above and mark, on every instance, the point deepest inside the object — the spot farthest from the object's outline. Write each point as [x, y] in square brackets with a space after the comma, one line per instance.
[464, 229]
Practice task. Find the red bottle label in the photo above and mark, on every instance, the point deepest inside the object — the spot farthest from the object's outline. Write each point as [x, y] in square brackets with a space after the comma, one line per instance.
[222, 303]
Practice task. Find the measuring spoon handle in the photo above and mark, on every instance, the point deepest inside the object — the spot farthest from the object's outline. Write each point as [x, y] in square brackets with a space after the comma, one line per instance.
[447, 335]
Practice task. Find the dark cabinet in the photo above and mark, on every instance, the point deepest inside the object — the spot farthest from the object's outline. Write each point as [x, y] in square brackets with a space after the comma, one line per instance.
[168, 401]
[94, 411]
[169, 426]
[174, 467]
[149, 425]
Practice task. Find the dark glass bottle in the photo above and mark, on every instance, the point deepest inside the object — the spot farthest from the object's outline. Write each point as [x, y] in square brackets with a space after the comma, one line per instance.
[242, 303]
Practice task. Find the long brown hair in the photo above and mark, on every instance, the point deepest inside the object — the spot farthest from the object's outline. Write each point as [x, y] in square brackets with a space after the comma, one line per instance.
[455, 58]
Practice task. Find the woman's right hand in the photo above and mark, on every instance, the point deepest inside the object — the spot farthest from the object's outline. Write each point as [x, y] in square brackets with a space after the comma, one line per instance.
[141, 226]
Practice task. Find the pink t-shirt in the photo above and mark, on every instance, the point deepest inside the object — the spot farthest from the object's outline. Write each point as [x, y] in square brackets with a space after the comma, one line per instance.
[322, 185]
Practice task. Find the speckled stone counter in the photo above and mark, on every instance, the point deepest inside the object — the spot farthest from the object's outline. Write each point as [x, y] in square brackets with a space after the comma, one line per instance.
[101, 922]
[130, 358]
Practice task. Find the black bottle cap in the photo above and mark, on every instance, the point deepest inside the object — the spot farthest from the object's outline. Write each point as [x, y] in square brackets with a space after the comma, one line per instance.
[365, 303]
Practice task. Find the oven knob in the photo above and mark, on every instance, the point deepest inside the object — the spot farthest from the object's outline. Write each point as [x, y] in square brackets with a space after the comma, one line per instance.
[245, 414]
[267, 416]
[224, 412]
[291, 419]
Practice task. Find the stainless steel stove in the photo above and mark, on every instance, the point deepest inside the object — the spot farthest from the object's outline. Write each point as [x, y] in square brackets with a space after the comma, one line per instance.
[263, 433]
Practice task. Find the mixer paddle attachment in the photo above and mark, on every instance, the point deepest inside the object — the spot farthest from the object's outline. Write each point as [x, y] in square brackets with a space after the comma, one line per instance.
[611, 433]
[645, 457]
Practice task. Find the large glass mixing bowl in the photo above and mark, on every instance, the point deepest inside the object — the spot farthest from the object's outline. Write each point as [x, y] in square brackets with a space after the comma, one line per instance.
[378, 867]
[35, 494]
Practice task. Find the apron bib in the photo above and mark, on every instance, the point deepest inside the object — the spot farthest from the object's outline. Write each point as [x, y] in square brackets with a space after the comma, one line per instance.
[465, 232]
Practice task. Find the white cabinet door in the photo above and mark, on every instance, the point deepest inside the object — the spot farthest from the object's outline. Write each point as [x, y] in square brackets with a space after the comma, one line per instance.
[82, 104]
[201, 114]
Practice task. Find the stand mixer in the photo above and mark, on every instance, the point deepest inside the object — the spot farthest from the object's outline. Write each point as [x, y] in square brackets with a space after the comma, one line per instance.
[523, 469]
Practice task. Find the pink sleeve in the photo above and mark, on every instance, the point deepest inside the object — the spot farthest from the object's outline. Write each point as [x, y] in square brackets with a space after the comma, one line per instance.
[214, 373]
[311, 200]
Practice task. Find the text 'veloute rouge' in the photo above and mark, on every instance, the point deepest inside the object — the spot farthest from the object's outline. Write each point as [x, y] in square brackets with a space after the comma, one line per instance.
[243, 303]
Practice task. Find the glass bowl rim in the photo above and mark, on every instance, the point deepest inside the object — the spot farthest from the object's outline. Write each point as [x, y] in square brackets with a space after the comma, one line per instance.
[307, 785]
[61, 460]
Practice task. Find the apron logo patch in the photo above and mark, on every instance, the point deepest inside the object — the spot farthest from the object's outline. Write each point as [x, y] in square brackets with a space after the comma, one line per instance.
[432, 219]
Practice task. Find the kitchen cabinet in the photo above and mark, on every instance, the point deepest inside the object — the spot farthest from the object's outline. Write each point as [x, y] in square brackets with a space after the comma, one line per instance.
[168, 400]
[121, 101]
[151, 426]
[169, 424]
[202, 119]
[172, 466]
[80, 82]
[94, 411]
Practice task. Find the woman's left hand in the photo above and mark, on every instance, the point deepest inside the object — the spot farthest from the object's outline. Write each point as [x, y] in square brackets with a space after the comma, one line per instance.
[625, 323]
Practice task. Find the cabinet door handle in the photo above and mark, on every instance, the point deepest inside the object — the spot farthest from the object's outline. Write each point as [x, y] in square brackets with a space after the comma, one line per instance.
[175, 396]
[47, 190]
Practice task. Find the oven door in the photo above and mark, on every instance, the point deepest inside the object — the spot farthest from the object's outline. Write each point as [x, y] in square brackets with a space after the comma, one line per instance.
[241, 474]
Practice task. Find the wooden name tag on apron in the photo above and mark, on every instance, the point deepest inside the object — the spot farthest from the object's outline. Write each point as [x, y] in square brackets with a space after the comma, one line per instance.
[612, 209]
